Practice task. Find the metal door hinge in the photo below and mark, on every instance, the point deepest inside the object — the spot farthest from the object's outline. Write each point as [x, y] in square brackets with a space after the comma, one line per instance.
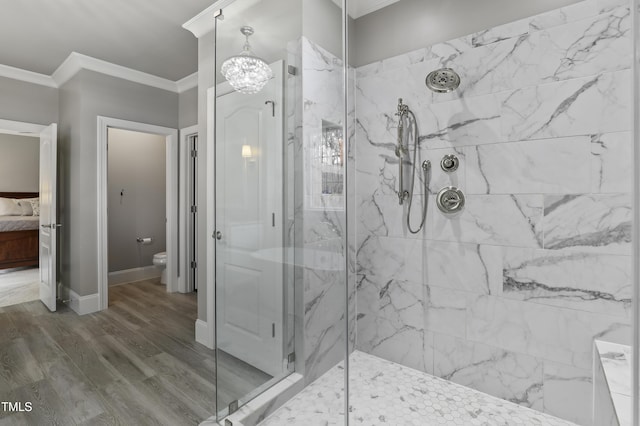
[292, 70]
[291, 358]
[194, 153]
[194, 265]
[233, 407]
[194, 209]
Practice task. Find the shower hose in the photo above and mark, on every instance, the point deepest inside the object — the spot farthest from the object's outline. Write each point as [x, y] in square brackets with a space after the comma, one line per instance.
[426, 166]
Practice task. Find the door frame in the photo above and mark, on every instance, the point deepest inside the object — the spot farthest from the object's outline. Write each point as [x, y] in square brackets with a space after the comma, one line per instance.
[185, 236]
[206, 330]
[21, 128]
[171, 137]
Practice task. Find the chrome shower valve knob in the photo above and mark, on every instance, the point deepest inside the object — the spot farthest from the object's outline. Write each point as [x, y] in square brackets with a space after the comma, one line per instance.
[450, 200]
[449, 163]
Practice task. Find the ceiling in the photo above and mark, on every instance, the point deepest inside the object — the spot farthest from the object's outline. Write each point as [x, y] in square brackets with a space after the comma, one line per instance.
[144, 35]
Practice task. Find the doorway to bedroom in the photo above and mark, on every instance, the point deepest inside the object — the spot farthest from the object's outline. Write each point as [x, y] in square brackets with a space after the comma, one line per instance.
[19, 218]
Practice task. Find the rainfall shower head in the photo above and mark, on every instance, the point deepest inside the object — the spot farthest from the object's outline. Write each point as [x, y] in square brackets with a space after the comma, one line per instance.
[443, 80]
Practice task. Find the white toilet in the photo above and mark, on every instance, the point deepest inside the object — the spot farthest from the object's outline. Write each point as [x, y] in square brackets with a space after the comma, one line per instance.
[160, 262]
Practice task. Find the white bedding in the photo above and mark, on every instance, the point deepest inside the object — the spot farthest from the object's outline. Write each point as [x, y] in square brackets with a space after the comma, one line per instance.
[19, 223]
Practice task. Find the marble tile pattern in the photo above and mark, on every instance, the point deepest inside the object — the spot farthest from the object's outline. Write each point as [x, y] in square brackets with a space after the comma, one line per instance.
[507, 295]
[615, 363]
[322, 226]
[386, 393]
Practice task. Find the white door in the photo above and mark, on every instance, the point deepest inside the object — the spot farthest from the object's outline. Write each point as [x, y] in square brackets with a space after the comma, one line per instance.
[249, 225]
[48, 219]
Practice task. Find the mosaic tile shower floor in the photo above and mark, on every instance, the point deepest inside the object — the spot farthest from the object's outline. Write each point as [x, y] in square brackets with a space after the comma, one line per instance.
[386, 393]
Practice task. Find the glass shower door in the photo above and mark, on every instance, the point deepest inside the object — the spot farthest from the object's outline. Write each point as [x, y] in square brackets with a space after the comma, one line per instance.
[281, 195]
[252, 339]
[249, 234]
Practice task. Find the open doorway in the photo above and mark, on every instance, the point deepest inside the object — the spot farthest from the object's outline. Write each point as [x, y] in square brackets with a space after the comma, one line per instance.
[136, 206]
[19, 191]
[138, 209]
[188, 211]
[28, 217]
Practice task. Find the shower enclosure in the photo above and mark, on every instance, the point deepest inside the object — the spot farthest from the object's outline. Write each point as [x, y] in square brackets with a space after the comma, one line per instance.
[281, 188]
[324, 285]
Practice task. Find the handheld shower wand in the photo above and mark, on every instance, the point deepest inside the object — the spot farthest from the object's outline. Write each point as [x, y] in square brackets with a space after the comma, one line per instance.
[403, 113]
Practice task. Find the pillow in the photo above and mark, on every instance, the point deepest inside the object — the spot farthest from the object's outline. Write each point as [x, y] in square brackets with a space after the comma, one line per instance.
[8, 207]
[25, 206]
[35, 205]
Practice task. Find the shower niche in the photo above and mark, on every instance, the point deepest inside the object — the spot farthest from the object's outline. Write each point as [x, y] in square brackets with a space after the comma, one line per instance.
[326, 168]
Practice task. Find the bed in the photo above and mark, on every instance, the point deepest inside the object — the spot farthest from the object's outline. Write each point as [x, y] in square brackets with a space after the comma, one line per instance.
[19, 236]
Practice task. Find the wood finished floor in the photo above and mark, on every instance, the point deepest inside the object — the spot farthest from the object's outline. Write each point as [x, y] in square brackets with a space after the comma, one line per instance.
[19, 285]
[135, 363]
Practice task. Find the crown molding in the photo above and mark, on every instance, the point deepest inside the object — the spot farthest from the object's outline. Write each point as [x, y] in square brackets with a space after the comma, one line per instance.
[204, 21]
[187, 83]
[358, 8]
[76, 62]
[27, 76]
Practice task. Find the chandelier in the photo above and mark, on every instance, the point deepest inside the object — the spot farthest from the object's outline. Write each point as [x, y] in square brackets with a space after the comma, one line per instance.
[246, 72]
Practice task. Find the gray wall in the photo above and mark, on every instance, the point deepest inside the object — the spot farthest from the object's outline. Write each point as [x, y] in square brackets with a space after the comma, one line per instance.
[70, 159]
[411, 24]
[86, 96]
[322, 23]
[136, 197]
[188, 108]
[19, 163]
[28, 102]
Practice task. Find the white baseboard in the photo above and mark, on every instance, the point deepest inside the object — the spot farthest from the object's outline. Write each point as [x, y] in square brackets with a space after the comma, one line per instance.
[135, 274]
[83, 305]
[202, 334]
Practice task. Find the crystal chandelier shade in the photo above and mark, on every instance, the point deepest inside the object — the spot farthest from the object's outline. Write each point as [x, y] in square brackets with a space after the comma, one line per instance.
[246, 72]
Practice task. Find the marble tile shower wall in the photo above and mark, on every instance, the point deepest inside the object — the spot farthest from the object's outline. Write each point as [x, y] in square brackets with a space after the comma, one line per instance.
[507, 296]
[322, 218]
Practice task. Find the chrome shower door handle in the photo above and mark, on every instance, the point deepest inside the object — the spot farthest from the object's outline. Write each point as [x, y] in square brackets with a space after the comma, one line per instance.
[273, 107]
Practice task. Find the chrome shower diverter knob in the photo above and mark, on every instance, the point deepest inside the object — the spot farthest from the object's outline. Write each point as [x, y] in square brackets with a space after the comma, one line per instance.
[450, 200]
[449, 163]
